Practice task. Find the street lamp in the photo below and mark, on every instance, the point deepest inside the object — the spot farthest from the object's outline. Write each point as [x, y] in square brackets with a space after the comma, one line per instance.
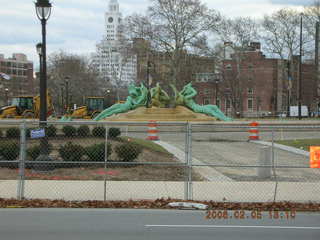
[148, 82]
[217, 81]
[289, 86]
[43, 10]
[6, 90]
[66, 80]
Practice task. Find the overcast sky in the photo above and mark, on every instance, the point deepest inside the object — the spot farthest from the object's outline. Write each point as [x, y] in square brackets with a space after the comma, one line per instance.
[77, 25]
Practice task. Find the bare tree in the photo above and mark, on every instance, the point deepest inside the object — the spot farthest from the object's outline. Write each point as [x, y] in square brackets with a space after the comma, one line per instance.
[311, 17]
[281, 33]
[174, 27]
[236, 34]
[83, 79]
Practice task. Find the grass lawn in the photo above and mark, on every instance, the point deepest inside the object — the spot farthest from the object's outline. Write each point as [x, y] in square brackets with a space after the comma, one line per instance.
[147, 144]
[303, 144]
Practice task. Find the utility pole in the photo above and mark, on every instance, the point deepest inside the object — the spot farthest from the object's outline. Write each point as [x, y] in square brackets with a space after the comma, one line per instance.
[300, 69]
[317, 78]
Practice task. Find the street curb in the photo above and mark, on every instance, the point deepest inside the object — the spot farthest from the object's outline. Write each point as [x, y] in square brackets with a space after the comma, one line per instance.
[284, 147]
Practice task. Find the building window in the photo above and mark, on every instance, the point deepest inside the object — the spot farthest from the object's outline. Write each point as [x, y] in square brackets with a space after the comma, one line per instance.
[250, 104]
[228, 67]
[250, 91]
[206, 91]
[206, 101]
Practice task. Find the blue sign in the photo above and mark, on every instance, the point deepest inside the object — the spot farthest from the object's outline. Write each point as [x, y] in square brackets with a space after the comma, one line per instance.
[39, 133]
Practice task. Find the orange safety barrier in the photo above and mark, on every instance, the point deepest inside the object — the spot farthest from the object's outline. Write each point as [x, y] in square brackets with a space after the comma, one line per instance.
[254, 131]
[153, 131]
[314, 157]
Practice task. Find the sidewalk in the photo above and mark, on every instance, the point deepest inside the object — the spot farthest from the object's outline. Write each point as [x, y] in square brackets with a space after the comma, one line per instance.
[126, 190]
[208, 173]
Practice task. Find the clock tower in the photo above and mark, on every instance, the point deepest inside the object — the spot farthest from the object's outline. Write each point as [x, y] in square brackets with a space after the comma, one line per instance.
[113, 19]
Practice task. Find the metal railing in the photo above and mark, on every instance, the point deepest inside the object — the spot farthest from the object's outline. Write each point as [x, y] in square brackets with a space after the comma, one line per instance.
[114, 161]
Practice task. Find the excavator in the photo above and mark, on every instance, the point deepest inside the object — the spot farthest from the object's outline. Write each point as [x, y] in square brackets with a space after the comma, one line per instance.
[93, 106]
[25, 107]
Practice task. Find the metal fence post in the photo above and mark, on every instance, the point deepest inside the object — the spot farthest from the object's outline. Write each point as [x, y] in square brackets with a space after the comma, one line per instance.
[186, 149]
[274, 170]
[190, 192]
[23, 143]
[105, 164]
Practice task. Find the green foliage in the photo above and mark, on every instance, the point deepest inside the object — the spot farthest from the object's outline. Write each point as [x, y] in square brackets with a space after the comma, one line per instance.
[114, 132]
[9, 150]
[71, 152]
[127, 152]
[51, 131]
[96, 152]
[69, 131]
[99, 132]
[83, 131]
[13, 132]
[34, 152]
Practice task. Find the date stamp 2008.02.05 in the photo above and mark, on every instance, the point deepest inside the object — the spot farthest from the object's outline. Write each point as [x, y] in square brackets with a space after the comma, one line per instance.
[251, 214]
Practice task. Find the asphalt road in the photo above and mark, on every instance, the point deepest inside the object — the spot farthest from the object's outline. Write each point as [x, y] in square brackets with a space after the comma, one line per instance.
[101, 224]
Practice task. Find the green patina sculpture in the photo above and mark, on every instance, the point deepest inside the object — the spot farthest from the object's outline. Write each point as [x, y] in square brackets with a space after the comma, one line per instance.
[185, 98]
[137, 98]
[159, 98]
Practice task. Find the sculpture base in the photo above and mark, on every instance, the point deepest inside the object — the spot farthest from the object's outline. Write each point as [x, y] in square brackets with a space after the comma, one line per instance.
[178, 114]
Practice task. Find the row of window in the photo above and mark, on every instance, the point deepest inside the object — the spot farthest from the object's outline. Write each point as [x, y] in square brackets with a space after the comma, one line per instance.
[208, 91]
[11, 71]
[229, 66]
[14, 65]
[206, 101]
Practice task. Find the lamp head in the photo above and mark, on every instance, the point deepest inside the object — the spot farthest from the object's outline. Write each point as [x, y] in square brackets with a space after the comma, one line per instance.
[43, 9]
[39, 49]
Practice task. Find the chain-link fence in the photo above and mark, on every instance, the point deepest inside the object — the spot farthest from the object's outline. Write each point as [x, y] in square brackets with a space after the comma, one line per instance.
[118, 161]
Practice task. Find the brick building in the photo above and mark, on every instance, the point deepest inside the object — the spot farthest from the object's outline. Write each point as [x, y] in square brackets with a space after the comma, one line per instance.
[253, 86]
[160, 71]
[257, 86]
[20, 70]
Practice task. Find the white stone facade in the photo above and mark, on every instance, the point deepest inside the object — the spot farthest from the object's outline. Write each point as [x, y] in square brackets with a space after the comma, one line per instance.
[114, 67]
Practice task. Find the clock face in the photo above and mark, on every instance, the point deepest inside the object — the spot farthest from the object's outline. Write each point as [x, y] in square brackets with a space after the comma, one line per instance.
[110, 19]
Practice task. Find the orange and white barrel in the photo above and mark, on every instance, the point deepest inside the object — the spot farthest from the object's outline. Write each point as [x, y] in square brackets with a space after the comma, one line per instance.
[153, 131]
[254, 131]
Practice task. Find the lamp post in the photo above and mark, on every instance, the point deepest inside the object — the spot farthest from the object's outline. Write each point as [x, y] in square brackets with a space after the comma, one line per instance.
[216, 90]
[6, 90]
[300, 70]
[62, 98]
[66, 81]
[148, 83]
[289, 87]
[43, 10]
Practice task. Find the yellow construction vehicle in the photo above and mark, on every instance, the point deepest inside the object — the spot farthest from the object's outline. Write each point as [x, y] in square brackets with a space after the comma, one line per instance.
[25, 107]
[93, 106]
